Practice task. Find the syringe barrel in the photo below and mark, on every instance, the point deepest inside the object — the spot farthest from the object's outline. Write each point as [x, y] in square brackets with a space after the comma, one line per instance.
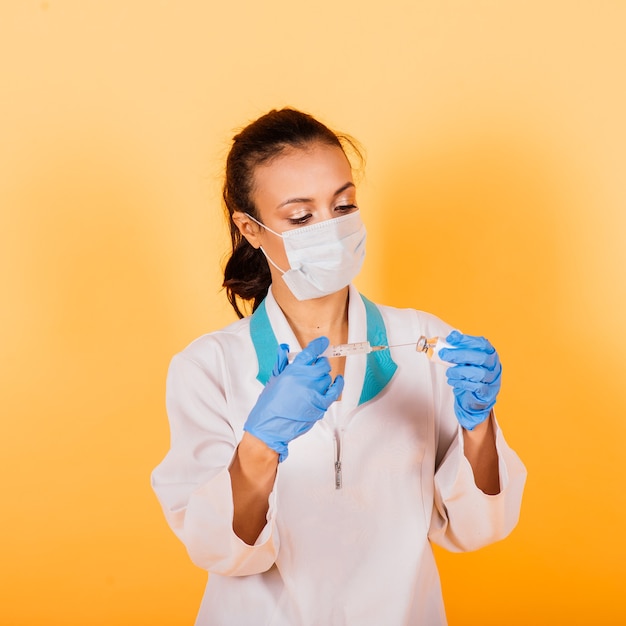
[341, 349]
[348, 349]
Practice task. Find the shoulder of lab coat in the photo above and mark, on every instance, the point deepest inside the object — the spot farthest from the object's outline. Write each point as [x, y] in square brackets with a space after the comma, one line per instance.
[192, 482]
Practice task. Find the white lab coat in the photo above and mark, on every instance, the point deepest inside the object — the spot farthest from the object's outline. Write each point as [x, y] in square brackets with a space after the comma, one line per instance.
[357, 555]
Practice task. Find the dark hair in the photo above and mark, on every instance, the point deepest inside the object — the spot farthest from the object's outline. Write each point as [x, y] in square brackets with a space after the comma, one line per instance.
[246, 274]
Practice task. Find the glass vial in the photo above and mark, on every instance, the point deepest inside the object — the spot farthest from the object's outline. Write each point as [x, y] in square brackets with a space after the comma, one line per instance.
[430, 347]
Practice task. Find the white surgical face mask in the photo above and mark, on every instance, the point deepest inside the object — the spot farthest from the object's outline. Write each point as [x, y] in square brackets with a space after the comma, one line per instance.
[323, 257]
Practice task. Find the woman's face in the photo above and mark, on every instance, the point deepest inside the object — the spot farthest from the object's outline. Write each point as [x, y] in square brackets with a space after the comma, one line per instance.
[301, 187]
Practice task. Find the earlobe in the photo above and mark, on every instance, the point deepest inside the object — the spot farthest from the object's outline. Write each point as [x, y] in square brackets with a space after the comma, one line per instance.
[247, 228]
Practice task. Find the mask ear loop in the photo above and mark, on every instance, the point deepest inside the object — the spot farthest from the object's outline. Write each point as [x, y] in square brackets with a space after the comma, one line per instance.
[261, 247]
[270, 260]
[264, 226]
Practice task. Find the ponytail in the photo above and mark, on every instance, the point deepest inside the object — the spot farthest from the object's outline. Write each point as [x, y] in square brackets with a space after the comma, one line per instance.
[246, 276]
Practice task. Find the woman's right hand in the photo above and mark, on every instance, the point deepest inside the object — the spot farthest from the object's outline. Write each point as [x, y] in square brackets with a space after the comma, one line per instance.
[296, 396]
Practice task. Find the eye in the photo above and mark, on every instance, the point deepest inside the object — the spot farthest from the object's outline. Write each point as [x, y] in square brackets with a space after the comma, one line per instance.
[346, 208]
[298, 221]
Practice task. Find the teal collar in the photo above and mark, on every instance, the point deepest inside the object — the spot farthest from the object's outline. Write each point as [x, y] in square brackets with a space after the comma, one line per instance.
[379, 368]
[265, 342]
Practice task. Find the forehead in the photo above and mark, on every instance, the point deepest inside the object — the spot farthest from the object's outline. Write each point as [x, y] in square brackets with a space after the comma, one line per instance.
[309, 172]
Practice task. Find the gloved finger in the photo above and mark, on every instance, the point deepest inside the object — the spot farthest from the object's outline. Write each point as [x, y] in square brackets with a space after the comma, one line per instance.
[486, 394]
[334, 391]
[316, 406]
[314, 409]
[469, 356]
[460, 340]
[474, 407]
[325, 398]
[312, 351]
[461, 386]
[469, 419]
[466, 372]
[473, 373]
[281, 359]
[319, 367]
[321, 383]
[493, 377]
[311, 374]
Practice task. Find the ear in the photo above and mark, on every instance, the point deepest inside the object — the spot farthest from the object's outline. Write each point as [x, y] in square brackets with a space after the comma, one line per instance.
[249, 229]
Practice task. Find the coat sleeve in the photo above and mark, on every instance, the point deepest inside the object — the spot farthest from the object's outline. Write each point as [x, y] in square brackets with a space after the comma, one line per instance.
[192, 482]
[464, 517]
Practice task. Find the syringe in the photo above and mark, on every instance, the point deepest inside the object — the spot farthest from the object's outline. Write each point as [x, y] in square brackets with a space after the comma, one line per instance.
[346, 349]
[429, 346]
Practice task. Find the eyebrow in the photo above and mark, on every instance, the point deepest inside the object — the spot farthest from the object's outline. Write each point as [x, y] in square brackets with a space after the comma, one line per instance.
[300, 200]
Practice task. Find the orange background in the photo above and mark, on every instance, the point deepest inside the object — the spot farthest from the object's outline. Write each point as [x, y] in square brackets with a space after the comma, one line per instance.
[494, 197]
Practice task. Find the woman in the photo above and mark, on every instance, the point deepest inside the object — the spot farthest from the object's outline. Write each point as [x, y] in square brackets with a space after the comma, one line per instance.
[310, 488]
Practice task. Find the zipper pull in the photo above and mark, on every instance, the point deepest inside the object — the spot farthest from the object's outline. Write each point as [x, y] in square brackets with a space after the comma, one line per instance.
[337, 474]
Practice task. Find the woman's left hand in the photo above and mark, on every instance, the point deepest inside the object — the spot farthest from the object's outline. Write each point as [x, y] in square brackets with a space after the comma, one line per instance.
[475, 376]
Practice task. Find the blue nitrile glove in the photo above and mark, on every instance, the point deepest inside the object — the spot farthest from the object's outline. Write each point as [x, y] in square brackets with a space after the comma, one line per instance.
[295, 397]
[475, 377]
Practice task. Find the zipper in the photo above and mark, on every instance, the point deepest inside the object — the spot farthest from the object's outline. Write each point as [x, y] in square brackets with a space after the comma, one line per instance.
[338, 477]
